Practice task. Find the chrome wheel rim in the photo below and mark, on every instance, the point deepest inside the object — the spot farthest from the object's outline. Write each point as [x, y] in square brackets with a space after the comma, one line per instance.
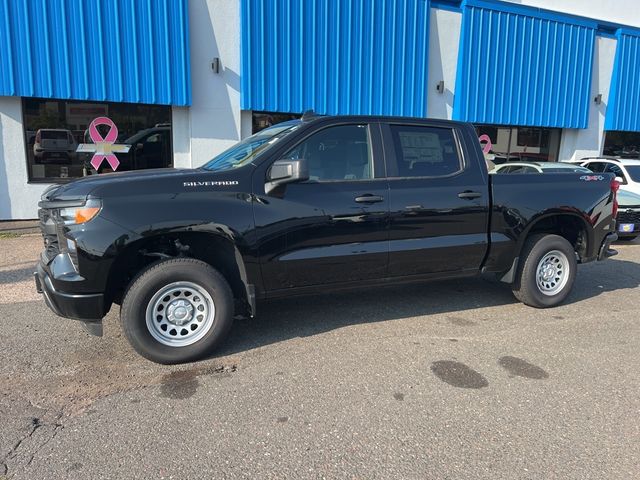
[552, 273]
[180, 314]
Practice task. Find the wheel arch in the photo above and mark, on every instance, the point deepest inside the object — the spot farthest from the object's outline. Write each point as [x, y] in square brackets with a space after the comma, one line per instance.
[215, 249]
[569, 225]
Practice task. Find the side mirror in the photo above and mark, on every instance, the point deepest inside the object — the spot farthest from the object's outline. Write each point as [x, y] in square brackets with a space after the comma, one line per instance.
[286, 171]
[620, 180]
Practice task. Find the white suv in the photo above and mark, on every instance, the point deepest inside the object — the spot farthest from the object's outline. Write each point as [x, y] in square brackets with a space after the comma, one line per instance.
[627, 169]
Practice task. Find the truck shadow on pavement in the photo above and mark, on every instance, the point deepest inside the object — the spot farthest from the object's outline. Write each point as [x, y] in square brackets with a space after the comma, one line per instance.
[16, 275]
[281, 320]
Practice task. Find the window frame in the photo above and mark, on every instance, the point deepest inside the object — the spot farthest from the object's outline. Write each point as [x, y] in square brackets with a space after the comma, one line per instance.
[377, 165]
[391, 155]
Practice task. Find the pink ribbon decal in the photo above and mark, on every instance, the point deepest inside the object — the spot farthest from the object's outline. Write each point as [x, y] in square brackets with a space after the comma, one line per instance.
[104, 146]
[487, 146]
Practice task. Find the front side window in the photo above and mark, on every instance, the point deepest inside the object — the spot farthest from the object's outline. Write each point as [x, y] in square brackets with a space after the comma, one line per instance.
[54, 129]
[425, 151]
[336, 153]
[596, 167]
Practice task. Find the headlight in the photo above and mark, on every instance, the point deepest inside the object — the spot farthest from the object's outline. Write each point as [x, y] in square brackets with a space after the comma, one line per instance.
[78, 215]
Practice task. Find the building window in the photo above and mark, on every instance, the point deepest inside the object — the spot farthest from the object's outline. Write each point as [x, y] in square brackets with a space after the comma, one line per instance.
[262, 120]
[54, 129]
[622, 144]
[521, 143]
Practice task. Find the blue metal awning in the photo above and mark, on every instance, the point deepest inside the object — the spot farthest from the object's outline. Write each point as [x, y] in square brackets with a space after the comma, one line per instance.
[336, 57]
[118, 50]
[523, 66]
[623, 112]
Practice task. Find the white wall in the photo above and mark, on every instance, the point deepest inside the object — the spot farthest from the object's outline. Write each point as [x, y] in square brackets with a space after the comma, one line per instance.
[579, 143]
[18, 200]
[625, 12]
[444, 38]
[213, 122]
[181, 136]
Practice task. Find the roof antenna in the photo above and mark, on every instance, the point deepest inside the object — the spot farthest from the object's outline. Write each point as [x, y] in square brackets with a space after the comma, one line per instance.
[309, 115]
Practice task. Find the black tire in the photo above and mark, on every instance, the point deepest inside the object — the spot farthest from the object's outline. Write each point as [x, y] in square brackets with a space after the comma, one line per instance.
[155, 278]
[526, 288]
[627, 239]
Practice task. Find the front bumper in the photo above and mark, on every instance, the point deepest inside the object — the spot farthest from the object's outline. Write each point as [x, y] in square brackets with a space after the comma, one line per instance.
[89, 308]
[605, 250]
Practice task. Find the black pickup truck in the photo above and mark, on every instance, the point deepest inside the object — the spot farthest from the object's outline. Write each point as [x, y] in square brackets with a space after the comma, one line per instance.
[312, 205]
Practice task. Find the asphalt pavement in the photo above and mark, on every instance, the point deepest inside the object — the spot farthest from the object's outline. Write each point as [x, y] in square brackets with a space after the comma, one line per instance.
[446, 380]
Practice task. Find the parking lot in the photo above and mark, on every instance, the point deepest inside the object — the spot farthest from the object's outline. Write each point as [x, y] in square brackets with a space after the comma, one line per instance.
[442, 380]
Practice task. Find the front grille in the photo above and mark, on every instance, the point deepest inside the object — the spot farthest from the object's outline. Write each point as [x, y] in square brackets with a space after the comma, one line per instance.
[628, 216]
[50, 232]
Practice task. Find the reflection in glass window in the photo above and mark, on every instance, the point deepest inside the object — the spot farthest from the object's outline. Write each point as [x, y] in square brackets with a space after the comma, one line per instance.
[262, 120]
[526, 144]
[245, 151]
[336, 153]
[425, 151]
[622, 144]
[54, 128]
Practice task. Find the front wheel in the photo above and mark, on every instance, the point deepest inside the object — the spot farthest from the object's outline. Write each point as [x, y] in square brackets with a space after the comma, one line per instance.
[547, 271]
[177, 310]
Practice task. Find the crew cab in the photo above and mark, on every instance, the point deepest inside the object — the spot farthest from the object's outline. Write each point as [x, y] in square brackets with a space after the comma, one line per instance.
[312, 205]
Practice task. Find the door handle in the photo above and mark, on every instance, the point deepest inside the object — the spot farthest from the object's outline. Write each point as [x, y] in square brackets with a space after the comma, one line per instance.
[468, 194]
[368, 198]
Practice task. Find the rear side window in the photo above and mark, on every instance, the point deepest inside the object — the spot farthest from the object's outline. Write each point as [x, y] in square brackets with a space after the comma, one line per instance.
[522, 169]
[54, 135]
[424, 151]
[615, 169]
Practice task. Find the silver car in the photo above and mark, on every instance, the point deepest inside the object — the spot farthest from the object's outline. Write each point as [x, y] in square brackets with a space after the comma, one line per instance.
[539, 167]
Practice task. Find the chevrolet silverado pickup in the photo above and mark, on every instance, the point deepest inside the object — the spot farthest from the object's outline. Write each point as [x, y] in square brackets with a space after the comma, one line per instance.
[312, 205]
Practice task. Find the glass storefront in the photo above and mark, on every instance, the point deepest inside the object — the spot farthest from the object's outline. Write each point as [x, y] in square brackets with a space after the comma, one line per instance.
[530, 144]
[262, 120]
[54, 129]
[622, 144]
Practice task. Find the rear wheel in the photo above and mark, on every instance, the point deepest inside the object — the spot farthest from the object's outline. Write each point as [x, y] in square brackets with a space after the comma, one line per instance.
[177, 310]
[547, 271]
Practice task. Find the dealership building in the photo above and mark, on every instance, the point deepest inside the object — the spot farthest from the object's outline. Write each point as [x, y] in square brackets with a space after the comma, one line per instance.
[182, 80]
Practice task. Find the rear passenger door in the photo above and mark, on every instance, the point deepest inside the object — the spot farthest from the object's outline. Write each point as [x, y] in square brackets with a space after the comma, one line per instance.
[438, 200]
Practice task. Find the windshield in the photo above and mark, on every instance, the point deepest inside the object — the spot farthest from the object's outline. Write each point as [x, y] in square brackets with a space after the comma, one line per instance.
[628, 198]
[245, 151]
[634, 172]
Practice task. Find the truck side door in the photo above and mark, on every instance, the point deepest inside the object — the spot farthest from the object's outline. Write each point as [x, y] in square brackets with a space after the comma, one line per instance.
[439, 200]
[332, 228]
